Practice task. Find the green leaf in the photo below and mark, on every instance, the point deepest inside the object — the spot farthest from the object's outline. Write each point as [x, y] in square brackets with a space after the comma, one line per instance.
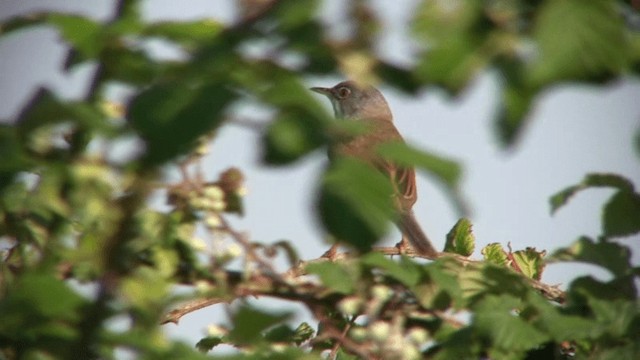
[280, 333]
[292, 14]
[170, 117]
[446, 290]
[249, 323]
[621, 214]
[446, 171]
[460, 239]
[341, 354]
[290, 137]
[591, 180]
[355, 202]
[45, 108]
[517, 100]
[609, 255]
[405, 271]
[22, 21]
[563, 327]
[578, 41]
[454, 36]
[82, 33]
[452, 64]
[529, 262]
[304, 332]
[495, 321]
[334, 276]
[187, 33]
[585, 287]
[36, 295]
[615, 317]
[130, 66]
[494, 253]
[208, 343]
[14, 156]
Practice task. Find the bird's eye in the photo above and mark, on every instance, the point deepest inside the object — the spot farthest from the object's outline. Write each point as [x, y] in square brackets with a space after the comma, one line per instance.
[343, 92]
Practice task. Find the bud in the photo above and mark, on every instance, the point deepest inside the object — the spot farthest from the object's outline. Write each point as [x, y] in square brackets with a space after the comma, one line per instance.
[417, 335]
[350, 305]
[214, 330]
[379, 330]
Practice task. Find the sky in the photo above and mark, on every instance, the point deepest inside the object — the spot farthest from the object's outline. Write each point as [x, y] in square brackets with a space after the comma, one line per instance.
[573, 130]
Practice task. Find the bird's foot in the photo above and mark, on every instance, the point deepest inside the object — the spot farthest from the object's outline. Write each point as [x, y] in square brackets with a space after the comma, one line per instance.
[331, 253]
[403, 246]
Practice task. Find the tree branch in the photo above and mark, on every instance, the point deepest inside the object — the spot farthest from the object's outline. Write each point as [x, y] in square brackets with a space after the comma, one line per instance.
[289, 286]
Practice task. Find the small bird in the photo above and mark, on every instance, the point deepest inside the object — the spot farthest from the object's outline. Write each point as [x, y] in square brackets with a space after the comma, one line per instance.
[360, 102]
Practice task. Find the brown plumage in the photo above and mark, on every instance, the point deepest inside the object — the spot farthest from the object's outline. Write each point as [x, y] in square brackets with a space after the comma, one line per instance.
[357, 102]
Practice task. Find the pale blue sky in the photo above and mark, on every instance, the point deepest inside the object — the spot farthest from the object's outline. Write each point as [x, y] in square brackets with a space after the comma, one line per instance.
[573, 130]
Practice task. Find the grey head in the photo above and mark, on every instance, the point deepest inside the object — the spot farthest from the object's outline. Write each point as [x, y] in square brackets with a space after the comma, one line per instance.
[351, 100]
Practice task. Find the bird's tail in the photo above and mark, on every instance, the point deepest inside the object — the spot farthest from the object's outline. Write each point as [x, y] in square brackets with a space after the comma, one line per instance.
[417, 238]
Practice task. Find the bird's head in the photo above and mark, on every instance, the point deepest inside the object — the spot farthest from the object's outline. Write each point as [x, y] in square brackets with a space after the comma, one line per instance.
[351, 100]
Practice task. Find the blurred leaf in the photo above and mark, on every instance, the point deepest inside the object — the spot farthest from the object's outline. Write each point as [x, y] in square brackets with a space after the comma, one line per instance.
[304, 40]
[398, 77]
[249, 323]
[341, 354]
[591, 180]
[446, 171]
[452, 64]
[578, 40]
[22, 21]
[609, 255]
[557, 322]
[453, 35]
[621, 215]
[82, 33]
[290, 137]
[170, 117]
[130, 66]
[446, 284]
[460, 239]
[615, 316]
[583, 288]
[146, 289]
[517, 98]
[335, 276]
[45, 108]
[405, 271]
[279, 334]
[355, 202]
[495, 322]
[38, 295]
[208, 343]
[12, 152]
[187, 33]
[529, 262]
[494, 253]
[294, 13]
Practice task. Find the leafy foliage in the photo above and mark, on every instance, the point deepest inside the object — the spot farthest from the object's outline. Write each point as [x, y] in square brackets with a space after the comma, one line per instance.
[83, 249]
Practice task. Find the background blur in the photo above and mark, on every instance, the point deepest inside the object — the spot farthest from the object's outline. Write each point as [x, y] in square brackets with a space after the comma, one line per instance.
[573, 130]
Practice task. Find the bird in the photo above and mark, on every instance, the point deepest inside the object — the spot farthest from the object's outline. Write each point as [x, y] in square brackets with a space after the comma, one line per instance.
[356, 101]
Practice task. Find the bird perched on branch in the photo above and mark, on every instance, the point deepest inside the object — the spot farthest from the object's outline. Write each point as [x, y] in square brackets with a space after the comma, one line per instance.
[361, 102]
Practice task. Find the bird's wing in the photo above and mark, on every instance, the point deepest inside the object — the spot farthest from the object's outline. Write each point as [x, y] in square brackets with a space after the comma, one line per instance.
[404, 182]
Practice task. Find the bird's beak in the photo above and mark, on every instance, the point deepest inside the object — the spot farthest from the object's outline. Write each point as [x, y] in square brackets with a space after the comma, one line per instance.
[321, 90]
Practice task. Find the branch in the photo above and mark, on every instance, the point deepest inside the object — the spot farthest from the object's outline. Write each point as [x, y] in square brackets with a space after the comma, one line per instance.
[289, 286]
